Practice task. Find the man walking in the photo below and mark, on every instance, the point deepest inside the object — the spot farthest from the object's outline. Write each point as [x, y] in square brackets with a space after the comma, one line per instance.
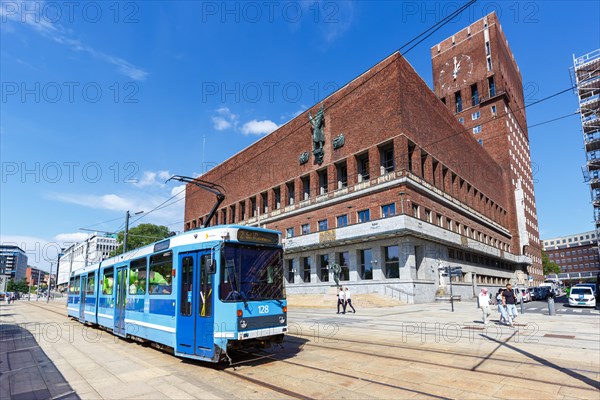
[510, 301]
[484, 304]
[349, 301]
[501, 308]
[341, 301]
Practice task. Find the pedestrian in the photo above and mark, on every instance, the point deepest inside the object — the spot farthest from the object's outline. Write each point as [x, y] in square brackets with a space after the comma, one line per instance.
[349, 300]
[484, 304]
[341, 301]
[501, 307]
[510, 301]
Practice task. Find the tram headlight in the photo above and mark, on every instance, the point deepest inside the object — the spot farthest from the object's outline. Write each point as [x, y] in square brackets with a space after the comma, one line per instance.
[281, 319]
[243, 324]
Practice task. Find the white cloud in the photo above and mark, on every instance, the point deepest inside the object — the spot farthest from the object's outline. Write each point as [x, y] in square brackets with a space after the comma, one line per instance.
[40, 252]
[151, 178]
[225, 119]
[255, 127]
[74, 237]
[35, 19]
[107, 201]
[150, 201]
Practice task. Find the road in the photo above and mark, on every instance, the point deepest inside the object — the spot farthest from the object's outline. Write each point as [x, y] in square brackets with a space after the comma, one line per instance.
[562, 307]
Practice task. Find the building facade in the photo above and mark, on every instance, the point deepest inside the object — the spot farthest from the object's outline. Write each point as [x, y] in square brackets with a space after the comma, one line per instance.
[586, 75]
[35, 276]
[476, 76]
[79, 255]
[382, 180]
[13, 262]
[574, 253]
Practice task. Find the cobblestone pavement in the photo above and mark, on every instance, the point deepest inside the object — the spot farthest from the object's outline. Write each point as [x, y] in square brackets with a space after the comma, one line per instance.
[416, 351]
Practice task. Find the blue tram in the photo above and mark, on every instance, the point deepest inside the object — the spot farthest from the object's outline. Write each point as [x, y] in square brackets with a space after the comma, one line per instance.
[202, 293]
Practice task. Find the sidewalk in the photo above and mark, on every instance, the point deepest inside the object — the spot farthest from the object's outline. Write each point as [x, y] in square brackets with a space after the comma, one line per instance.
[395, 352]
[26, 372]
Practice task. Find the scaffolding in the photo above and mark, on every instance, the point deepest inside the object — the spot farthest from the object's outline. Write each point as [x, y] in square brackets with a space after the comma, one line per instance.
[586, 76]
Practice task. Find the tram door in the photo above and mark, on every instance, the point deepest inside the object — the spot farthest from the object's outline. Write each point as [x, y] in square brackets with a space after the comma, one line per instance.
[121, 300]
[195, 325]
[82, 294]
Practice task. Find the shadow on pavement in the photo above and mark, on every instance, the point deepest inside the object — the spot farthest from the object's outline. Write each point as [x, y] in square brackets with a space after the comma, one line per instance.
[589, 381]
[26, 372]
[257, 357]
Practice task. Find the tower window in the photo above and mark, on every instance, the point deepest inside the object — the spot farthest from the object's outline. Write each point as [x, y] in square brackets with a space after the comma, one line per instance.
[458, 99]
[474, 95]
[491, 84]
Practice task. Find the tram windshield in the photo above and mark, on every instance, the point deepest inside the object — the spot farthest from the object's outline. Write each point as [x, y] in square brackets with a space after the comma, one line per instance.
[251, 273]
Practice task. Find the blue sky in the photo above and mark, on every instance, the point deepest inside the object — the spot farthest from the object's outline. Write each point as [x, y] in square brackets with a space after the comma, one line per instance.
[102, 101]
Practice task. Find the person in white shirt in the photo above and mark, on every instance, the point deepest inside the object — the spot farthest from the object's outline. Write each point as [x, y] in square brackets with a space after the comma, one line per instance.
[349, 300]
[341, 301]
[484, 304]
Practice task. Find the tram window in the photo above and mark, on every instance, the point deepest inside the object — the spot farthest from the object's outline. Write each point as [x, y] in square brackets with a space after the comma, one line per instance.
[137, 276]
[90, 284]
[205, 295]
[161, 266]
[187, 276]
[75, 285]
[108, 281]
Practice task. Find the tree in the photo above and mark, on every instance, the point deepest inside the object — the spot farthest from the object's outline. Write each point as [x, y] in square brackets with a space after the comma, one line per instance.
[141, 235]
[18, 286]
[550, 267]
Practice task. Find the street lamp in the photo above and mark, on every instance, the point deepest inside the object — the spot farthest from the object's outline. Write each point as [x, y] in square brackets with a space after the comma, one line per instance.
[126, 233]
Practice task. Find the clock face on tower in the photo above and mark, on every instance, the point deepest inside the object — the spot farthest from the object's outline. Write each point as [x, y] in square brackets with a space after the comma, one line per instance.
[456, 72]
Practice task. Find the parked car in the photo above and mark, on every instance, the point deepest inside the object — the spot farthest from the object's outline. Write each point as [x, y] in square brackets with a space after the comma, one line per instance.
[582, 296]
[590, 285]
[525, 294]
[541, 293]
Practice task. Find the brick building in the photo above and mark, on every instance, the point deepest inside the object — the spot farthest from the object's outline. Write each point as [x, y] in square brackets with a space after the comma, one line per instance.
[574, 253]
[475, 74]
[35, 276]
[383, 180]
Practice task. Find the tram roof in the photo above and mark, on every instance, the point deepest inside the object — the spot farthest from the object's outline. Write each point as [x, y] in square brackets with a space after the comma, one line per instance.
[202, 235]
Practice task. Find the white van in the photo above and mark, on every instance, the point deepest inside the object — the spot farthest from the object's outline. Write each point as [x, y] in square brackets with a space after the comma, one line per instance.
[582, 296]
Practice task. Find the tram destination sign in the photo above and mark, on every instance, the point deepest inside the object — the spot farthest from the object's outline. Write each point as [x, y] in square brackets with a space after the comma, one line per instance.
[245, 235]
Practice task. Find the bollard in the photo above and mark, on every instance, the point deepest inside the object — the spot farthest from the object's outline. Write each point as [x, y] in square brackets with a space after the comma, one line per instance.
[551, 310]
[522, 311]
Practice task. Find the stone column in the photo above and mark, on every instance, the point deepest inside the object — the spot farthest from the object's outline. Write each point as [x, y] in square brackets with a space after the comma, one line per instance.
[428, 168]
[407, 260]
[379, 256]
[332, 183]
[374, 162]
[352, 171]
[416, 162]
[401, 153]
[354, 260]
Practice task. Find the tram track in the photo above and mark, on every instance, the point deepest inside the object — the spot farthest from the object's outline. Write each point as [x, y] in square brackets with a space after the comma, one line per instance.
[274, 357]
[301, 339]
[428, 350]
[378, 344]
[502, 374]
[236, 374]
[267, 385]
